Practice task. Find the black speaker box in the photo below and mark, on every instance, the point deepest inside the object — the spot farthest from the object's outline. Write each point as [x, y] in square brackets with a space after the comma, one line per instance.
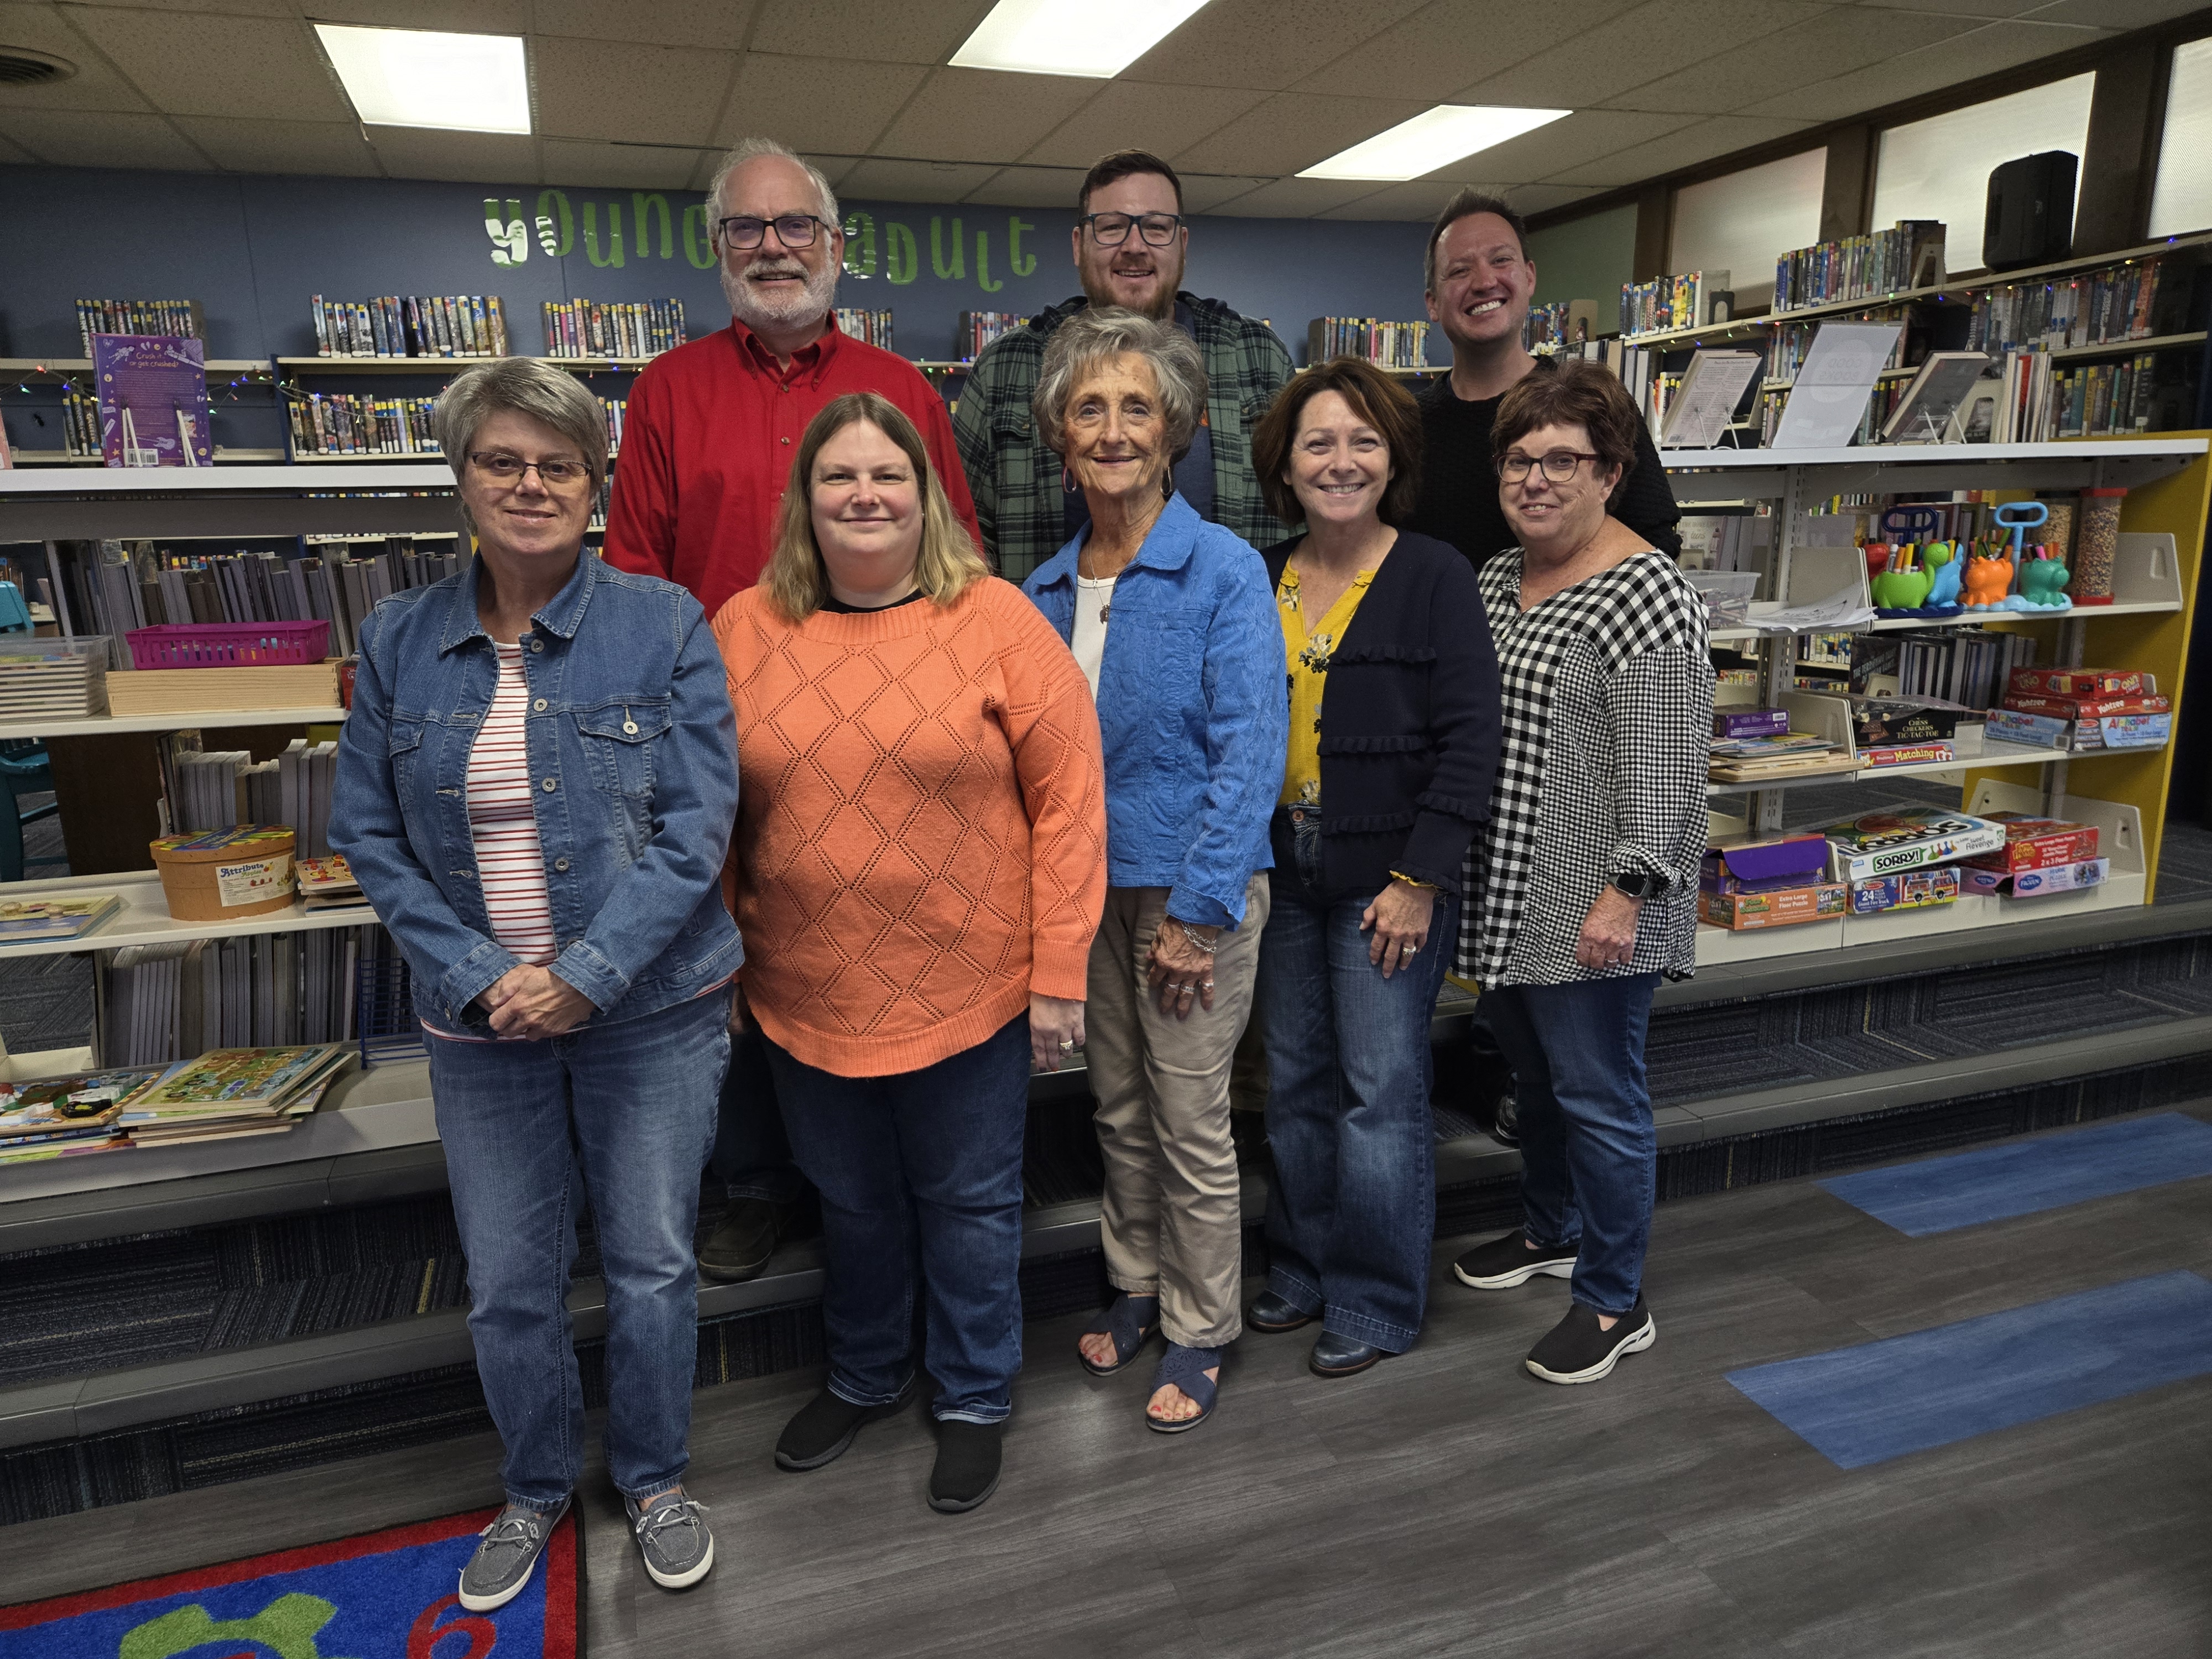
[2031, 213]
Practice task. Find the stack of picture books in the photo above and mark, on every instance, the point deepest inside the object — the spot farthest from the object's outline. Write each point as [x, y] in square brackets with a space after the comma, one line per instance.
[56, 1116]
[72, 916]
[41, 678]
[230, 1092]
[328, 883]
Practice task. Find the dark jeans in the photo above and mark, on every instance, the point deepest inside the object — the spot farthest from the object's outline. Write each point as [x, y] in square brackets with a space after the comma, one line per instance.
[632, 1105]
[921, 1177]
[1589, 1157]
[1352, 1210]
[752, 1155]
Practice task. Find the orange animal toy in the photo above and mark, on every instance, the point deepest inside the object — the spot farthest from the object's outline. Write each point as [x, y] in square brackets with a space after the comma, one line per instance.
[1987, 582]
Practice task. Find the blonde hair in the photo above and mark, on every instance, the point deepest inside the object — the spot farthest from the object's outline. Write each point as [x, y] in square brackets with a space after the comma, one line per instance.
[797, 581]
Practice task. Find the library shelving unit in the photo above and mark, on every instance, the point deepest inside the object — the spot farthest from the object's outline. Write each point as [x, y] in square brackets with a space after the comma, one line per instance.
[289, 374]
[61, 370]
[2168, 478]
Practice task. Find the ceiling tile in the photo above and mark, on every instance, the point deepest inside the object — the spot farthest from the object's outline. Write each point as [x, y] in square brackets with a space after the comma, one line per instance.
[1718, 136]
[1452, 44]
[1206, 193]
[1166, 120]
[1582, 136]
[1421, 200]
[888, 30]
[718, 24]
[335, 148]
[981, 115]
[1848, 38]
[816, 103]
[1037, 187]
[1665, 35]
[88, 138]
[609, 90]
[1984, 50]
[1298, 198]
[461, 16]
[595, 166]
[484, 158]
[1269, 44]
[211, 66]
[1293, 130]
[256, 8]
[94, 86]
[873, 179]
[2114, 14]
[833, 167]
[14, 152]
[1542, 198]
[1961, 8]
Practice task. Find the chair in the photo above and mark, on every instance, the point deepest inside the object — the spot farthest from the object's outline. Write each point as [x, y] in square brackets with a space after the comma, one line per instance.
[24, 770]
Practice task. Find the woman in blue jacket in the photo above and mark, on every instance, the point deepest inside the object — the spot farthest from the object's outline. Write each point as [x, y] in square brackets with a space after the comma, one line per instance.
[1169, 619]
[536, 788]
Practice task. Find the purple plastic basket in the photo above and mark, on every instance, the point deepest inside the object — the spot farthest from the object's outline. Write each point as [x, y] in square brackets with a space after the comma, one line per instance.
[227, 645]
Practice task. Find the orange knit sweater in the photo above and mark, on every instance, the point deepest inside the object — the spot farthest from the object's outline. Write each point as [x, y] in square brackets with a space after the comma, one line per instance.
[921, 824]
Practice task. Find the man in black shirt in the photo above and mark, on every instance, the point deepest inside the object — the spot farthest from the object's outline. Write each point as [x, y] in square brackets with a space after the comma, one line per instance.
[1478, 284]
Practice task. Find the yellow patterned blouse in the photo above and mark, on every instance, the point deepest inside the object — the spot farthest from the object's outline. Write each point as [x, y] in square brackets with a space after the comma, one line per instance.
[1306, 654]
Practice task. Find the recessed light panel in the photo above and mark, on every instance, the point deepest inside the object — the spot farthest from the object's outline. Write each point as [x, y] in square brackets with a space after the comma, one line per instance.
[1071, 37]
[423, 78]
[1433, 139]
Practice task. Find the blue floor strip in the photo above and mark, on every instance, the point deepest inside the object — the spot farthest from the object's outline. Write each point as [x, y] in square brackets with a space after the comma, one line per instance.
[2022, 1176]
[1907, 1394]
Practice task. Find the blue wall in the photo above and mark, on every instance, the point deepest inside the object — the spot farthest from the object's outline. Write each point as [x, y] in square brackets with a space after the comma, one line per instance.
[254, 249]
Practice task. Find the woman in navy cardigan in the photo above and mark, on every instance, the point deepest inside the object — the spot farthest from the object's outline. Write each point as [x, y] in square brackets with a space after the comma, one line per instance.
[1388, 776]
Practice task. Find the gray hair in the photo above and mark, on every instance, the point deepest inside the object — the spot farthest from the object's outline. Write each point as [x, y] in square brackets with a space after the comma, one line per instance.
[751, 149]
[1094, 335]
[527, 385]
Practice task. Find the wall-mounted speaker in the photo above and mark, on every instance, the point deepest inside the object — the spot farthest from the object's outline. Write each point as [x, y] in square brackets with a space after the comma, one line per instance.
[2031, 213]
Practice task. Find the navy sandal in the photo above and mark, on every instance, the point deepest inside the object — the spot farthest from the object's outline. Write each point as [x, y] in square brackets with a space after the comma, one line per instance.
[1187, 1369]
[1122, 1322]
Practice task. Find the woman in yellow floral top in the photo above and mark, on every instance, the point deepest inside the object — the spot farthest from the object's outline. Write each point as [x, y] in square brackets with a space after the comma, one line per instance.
[1382, 795]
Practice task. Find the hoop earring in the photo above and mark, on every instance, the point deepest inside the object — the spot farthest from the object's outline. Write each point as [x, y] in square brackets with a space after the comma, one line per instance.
[1167, 485]
[1068, 485]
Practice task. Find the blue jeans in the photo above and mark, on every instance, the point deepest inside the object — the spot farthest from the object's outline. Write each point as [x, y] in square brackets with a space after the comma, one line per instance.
[632, 1105]
[1589, 1157]
[1352, 1210]
[752, 1157]
[921, 1177]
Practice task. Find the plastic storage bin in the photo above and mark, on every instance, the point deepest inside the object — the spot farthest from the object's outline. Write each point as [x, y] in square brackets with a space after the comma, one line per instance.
[50, 677]
[1727, 594]
[227, 645]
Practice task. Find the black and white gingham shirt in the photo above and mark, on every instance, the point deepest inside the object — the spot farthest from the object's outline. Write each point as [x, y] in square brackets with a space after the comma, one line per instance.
[1607, 691]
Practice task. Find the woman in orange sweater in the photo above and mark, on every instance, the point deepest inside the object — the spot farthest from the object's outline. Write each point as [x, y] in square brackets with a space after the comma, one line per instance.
[920, 866]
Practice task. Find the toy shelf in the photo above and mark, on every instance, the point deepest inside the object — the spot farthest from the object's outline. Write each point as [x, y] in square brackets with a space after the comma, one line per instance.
[92, 725]
[441, 365]
[144, 918]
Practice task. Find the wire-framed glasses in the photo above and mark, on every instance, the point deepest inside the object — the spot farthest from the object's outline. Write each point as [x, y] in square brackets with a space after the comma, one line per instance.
[556, 474]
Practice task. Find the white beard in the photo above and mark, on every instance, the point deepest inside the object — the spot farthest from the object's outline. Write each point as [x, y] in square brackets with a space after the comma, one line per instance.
[808, 303]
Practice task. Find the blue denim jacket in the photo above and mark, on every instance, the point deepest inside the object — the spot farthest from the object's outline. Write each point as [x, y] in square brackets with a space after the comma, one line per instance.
[1194, 709]
[632, 740]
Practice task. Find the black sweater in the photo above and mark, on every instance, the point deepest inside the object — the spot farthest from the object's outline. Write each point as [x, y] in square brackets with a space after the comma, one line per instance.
[1409, 725]
[1459, 484]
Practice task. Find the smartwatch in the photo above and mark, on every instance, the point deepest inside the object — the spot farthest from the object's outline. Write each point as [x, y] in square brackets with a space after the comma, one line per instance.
[1637, 884]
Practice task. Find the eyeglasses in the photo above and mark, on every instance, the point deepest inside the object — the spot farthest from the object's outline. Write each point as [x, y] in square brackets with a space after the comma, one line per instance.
[1558, 466]
[1112, 230]
[508, 469]
[744, 232]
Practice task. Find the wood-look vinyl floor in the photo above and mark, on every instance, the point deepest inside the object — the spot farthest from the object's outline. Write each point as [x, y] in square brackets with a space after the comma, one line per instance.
[1445, 1503]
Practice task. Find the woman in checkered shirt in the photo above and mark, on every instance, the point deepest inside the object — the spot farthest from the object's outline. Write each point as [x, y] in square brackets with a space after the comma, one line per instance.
[1581, 891]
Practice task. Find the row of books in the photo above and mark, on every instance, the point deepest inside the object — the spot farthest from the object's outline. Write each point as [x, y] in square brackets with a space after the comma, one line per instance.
[181, 319]
[344, 423]
[154, 1004]
[2103, 307]
[1787, 344]
[1970, 666]
[974, 330]
[586, 328]
[1393, 345]
[1910, 254]
[1564, 322]
[873, 326]
[218, 789]
[411, 326]
[1668, 302]
[220, 1094]
[617, 411]
[80, 421]
[2100, 400]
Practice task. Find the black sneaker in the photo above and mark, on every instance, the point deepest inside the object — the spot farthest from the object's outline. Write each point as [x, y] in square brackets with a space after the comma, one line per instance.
[966, 1468]
[825, 1426]
[744, 1239]
[1505, 1262]
[1577, 1351]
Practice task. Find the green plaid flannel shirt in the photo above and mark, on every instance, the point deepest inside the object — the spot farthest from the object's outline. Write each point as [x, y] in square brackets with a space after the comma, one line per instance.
[1015, 479]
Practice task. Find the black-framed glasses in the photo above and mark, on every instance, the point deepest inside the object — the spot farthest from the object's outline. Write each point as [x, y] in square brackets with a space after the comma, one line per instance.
[1558, 466]
[1112, 230]
[555, 474]
[744, 232]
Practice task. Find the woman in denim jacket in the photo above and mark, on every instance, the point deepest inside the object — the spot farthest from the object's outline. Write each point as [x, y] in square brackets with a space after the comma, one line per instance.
[536, 788]
[1193, 714]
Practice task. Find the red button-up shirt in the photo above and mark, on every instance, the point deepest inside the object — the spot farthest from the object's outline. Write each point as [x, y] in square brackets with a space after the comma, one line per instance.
[707, 444]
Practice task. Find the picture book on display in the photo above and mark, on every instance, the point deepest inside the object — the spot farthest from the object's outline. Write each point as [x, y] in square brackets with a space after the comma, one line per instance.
[56, 917]
[77, 1112]
[153, 400]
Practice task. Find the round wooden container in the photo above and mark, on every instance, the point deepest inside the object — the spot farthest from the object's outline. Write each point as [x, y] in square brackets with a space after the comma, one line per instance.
[225, 874]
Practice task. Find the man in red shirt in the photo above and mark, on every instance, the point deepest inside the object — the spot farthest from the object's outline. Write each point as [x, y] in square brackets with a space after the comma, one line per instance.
[706, 456]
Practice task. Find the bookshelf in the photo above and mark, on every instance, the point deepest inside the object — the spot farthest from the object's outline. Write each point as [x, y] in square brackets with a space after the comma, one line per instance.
[145, 918]
[437, 365]
[92, 725]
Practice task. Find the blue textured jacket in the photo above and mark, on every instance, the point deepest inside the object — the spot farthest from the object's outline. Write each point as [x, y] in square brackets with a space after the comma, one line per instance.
[1194, 709]
[632, 741]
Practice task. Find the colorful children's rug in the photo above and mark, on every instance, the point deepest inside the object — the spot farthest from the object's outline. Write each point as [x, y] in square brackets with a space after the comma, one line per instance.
[389, 1594]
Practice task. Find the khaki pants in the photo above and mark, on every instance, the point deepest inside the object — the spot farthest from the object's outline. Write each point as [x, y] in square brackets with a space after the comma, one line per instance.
[1170, 1218]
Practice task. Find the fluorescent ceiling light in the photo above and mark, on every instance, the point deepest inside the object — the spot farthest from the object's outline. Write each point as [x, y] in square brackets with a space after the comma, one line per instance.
[421, 78]
[1071, 37]
[1433, 139]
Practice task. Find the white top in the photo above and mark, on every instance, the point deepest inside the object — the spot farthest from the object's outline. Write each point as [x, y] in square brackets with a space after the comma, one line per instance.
[502, 821]
[1093, 599]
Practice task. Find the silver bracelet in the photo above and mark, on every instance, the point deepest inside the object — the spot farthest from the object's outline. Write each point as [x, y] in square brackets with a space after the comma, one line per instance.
[1194, 940]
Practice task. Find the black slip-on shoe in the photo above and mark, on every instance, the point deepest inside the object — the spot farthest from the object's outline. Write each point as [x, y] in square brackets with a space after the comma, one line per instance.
[1271, 1314]
[825, 1426]
[1505, 1262]
[1577, 1351]
[1343, 1356]
[966, 1468]
[744, 1240]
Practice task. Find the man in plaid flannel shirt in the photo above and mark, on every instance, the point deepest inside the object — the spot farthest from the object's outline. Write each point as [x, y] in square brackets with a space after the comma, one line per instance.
[1129, 246]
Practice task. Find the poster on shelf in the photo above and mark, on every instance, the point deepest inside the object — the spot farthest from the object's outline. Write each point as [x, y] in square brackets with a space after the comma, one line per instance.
[1828, 398]
[153, 400]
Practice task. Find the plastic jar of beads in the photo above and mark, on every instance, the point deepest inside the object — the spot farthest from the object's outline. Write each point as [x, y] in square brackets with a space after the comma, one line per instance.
[2096, 541]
